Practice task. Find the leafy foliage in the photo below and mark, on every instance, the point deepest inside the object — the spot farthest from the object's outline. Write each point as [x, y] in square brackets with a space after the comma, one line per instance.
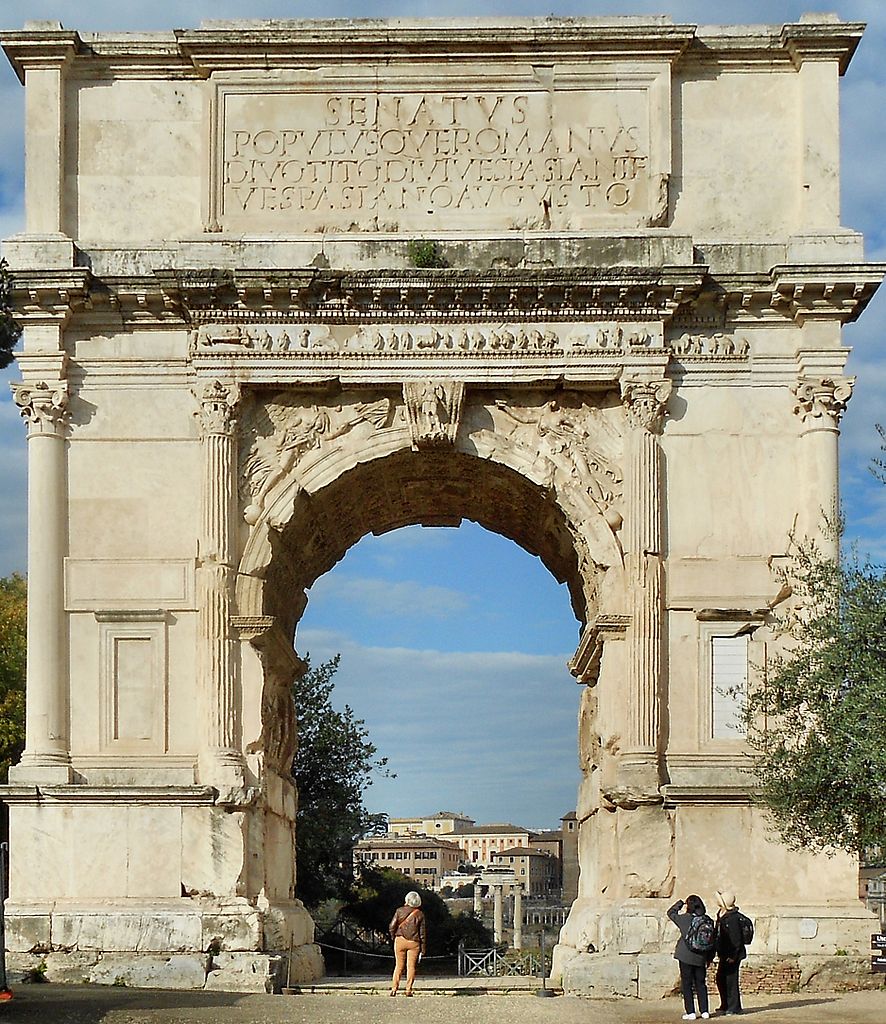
[422, 252]
[379, 891]
[819, 720]
[332, 769]
[13, 625]
[10, 330]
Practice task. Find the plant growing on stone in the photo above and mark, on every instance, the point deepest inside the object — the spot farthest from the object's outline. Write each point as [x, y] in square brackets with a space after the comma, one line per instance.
[818, 721]
[10, 329]
[422, 252]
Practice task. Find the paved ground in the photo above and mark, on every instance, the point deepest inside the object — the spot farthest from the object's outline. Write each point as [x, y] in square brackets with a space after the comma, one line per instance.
[68, 1004]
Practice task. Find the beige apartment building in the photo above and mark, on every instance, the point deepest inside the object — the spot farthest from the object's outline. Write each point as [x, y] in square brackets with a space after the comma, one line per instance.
[426, 860]
[537, 870]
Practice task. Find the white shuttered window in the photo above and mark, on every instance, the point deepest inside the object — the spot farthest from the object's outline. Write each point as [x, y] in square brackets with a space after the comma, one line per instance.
[729, 682]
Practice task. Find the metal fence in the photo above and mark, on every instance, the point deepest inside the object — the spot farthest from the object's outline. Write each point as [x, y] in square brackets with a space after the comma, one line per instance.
[501, 964]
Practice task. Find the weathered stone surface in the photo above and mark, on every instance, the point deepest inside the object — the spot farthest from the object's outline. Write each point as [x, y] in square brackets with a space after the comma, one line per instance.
[658, 975]
[601, 976]
[838, 974]
[27, 928]
[646, 852]
[307, 965]
[146, 970]
[245, 972]
[73, 967]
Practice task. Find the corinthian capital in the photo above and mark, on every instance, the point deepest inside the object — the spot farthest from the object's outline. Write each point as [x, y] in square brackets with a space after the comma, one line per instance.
[43, 406]
[645, 402]
[217, 410]
[823, 398]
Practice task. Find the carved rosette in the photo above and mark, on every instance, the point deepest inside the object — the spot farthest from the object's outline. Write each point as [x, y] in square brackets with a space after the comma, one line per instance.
[217, 401]
[823, 399]
[433, 408]
[43, 406]
[645, 402]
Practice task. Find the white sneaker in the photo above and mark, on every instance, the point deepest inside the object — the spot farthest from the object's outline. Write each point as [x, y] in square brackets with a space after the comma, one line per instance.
[705, 1015]
[688, 1016]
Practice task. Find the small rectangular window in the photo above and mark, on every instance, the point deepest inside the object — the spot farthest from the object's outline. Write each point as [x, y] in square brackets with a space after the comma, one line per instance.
[729, 683]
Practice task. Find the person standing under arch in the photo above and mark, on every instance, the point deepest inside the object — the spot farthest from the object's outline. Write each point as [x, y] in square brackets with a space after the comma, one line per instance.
[409, 933]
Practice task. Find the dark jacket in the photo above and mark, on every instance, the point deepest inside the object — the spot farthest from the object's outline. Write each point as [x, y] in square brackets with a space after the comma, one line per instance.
[730, 944]
[409, 923]
[682, 952]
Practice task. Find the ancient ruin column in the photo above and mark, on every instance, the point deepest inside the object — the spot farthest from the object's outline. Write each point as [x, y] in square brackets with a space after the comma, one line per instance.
[821, 402]
[518, 917]
[478, 900]
[221, 760]
[644, 403]
[497, 913]
[46, 757]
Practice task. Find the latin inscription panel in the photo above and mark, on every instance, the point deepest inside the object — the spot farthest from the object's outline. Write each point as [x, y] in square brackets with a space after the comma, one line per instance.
[293, 160]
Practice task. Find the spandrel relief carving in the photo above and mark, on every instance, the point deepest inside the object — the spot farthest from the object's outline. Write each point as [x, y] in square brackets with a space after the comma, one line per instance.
[579, 446]
[280, 432]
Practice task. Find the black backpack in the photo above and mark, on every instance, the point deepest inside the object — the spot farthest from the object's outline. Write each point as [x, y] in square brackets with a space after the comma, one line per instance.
[747, 928]
[702, 935]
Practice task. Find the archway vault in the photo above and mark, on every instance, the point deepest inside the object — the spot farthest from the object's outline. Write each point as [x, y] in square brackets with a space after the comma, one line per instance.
[377, 483]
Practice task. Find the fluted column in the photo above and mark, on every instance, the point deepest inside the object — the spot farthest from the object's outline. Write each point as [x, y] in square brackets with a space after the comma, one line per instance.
[644, 403]
[820, 404]
[46, 757]
[221, 759]
[518, 917]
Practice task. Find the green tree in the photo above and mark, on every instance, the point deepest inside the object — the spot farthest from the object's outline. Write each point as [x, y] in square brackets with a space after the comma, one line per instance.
[13, 626]
[10, 330]
[379, 891]
[332, 768]
[818, 722]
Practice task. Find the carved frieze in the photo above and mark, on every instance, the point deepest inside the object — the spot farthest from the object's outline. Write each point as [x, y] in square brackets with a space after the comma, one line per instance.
[294, 339]
[433, 410]
[710, 346]
[43, 406]
[823, 399]
[282, 430]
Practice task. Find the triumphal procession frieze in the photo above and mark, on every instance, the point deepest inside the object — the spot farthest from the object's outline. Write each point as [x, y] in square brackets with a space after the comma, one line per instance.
[285, 285]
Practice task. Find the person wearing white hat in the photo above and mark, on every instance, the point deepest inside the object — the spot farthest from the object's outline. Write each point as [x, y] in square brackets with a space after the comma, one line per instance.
[731, 951]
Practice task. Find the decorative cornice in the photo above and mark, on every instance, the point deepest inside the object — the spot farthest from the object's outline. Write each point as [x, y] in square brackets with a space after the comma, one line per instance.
[243, 45]
[585, 663]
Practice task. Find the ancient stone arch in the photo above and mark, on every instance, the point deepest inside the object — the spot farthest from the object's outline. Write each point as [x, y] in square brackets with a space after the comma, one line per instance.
[242, 353]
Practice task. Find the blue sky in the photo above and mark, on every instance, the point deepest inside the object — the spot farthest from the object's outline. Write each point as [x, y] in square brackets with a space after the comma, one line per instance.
[454, 642]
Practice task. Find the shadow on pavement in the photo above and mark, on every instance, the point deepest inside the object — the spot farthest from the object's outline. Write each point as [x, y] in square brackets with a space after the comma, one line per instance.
[789, 1005]
[90, 1004]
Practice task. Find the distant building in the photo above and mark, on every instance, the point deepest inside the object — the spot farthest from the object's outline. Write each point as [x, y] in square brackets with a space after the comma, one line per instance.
[569, 856]
[426, 860]
[538, 871]
[441, 823]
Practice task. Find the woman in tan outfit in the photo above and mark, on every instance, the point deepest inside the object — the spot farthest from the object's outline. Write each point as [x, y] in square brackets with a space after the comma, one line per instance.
[410, 937]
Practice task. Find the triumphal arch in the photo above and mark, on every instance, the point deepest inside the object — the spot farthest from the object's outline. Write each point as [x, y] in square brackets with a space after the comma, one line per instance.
[288, 283]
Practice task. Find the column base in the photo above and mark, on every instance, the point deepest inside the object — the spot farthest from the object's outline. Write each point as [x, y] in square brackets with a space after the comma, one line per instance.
[636, 780]
[34, 771]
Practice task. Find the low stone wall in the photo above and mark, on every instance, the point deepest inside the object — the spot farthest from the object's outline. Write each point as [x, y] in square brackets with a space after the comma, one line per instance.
[217, 972]
[656, 975]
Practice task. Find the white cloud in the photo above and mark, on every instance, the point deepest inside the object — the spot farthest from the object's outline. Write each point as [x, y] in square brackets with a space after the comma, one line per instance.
[378, 597]
[492, 733]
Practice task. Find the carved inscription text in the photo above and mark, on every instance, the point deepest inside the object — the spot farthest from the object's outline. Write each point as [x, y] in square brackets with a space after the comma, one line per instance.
[386, 159]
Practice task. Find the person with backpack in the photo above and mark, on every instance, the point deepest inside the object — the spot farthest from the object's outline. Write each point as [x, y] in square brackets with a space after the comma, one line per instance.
[410, 936]
[694, 951]
[734, 932]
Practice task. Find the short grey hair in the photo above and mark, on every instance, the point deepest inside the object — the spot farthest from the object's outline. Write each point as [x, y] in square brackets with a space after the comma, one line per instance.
[412, 899]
